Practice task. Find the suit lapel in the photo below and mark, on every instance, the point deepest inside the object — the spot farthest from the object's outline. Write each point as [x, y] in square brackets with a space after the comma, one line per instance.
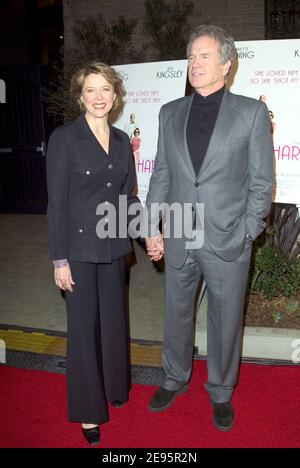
[223, 124]
[180, 124]
[83, 130]
[222, 127]
[84, 133]
[115, 143]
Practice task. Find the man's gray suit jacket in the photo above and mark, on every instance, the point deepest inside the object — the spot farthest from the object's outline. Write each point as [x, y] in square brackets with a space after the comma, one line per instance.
[234, 182]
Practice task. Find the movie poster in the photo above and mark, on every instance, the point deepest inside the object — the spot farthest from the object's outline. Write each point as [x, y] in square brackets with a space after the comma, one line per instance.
[148, 87]
[270, 71]
[265, 70]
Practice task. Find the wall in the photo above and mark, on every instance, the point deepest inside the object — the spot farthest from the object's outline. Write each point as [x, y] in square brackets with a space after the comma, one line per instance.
[244, 19]
[15, 47]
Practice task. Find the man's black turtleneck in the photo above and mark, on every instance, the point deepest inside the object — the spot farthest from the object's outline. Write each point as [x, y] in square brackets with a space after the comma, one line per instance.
[201, 122]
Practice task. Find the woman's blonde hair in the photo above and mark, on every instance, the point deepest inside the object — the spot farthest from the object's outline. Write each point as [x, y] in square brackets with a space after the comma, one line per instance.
[108, 73]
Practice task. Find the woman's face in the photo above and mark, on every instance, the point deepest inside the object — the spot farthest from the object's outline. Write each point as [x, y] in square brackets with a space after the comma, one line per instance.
[97, 95]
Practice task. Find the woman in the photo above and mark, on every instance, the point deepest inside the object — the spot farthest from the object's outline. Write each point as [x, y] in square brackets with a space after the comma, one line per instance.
[89, 164]
[136, 143]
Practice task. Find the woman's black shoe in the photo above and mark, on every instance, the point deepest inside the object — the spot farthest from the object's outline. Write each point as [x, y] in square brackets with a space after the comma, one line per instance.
[92, 435]
[117, 404]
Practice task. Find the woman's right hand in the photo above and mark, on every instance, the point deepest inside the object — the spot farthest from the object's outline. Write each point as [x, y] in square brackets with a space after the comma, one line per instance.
[63, 278]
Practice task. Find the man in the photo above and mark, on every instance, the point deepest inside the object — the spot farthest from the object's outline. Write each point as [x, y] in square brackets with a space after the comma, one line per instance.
[214, 148]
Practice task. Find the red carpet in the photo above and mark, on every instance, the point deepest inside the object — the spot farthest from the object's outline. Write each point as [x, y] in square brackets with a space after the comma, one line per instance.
[266, 404]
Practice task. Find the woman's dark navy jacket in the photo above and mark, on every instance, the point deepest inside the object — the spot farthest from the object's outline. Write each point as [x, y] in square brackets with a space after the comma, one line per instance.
[80, 176]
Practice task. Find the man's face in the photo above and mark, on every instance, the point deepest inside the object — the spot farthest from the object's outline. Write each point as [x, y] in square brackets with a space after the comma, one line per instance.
[205, 71]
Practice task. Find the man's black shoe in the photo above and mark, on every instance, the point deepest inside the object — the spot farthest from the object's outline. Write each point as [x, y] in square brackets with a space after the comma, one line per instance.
[223, 416]
[163, 398]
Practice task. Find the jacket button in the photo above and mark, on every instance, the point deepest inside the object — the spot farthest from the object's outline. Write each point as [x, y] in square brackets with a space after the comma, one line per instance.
[88, 172]
[80, 230]
[110, 166]
[106, 203]
[197, 184]
[109, 184]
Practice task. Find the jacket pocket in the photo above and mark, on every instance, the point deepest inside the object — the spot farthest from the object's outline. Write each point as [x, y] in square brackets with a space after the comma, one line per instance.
[82, 240]
[87, 168]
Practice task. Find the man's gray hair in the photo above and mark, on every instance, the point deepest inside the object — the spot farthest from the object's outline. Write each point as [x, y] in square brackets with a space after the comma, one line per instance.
[227, 50]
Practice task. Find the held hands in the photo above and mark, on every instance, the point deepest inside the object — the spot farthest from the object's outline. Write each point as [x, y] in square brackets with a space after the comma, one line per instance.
[155, 247]
[63, 278]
